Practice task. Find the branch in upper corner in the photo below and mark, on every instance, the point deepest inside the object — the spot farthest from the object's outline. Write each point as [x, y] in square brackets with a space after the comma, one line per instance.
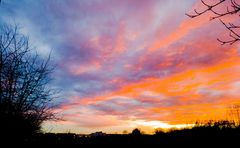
[231, 9]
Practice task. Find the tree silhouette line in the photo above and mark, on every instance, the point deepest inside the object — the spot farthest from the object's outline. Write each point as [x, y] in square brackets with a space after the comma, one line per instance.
[202, 134]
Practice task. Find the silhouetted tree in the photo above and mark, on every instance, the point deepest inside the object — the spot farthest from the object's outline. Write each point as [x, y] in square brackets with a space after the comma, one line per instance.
[219, 124]
[159, 131]
[232, 7]
[136, 131]
[24, 94]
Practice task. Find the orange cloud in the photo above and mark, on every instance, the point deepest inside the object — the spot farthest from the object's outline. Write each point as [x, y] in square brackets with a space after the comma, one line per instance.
[184, 28]
[202, 78]
[195, 94]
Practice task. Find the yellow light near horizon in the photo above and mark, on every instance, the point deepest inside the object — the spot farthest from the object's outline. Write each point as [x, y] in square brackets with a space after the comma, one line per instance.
[160, 124]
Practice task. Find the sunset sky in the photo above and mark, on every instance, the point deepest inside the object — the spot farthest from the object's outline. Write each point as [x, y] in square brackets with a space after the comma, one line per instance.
[122, 64]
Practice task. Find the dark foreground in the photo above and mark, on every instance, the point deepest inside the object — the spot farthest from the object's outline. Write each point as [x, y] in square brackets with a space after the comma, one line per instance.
[195, 137]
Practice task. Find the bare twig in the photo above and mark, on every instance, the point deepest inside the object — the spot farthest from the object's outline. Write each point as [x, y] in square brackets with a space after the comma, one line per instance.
[234, 8]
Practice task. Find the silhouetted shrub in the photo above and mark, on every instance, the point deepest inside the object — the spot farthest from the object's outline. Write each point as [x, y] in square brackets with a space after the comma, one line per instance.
[136, 131]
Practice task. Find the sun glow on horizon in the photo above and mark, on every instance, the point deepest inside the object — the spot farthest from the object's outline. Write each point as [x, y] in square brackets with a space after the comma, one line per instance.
[162, 125]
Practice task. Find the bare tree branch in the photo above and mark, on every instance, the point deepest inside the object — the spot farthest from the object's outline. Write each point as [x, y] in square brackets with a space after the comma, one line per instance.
[25, 98]
[232, 8]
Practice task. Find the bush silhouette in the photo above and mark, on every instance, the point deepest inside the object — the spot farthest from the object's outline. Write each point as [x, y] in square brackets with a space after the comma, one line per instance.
[136, 131]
